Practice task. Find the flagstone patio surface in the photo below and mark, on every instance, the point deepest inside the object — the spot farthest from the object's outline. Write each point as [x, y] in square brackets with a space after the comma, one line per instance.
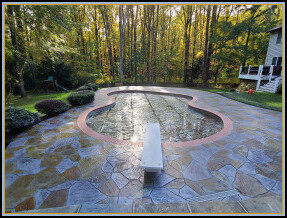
[55, 164]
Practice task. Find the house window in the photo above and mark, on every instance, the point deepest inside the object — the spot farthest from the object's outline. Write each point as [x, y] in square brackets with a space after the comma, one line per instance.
[277, 61]
[279, 38]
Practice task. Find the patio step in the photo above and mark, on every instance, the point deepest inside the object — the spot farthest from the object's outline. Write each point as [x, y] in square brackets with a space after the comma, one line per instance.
[271, 86]
[272, 204]
[271, 89]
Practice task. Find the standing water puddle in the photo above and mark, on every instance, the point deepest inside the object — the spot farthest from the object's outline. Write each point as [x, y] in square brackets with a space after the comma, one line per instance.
[178, 122]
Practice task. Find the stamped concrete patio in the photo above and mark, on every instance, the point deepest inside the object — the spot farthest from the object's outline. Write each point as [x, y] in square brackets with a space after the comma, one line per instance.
[55, 164]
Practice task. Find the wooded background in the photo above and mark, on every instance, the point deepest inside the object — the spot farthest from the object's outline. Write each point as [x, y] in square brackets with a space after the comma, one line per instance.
[195, 45]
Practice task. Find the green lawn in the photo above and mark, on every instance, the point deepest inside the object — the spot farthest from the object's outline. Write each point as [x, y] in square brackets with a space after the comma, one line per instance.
[266, 100]
[32, 98]
[214, 90]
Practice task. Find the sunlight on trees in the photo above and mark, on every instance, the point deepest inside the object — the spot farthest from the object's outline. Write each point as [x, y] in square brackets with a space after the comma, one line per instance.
[77, 44]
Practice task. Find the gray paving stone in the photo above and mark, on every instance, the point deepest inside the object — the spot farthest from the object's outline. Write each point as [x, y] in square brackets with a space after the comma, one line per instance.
[237, 157]
[172, 157]
[109, 200]
[278, 185]
[65, 164]
[231, 198]
[162, 195]
[161, 208]
[145, 192]
[162, 180]
[268, 183]
[89, 151]
[201, 155]
[40, 196]
[82, 192]
[120, 180]
[106, 208]
[195, 172]
[173, 190]
[28, 164]
[31, 172]
[263, 205]
[9, 179]
[125, 200]
[19, 153]
[216, 207]
[132, 173]
[107, 167]
[64, 185]
[229, 171]
[248, 168]
[117, 151]
[187, 192]
[258, 156]
[277, 191]
[73, 141]
[19, 142]
[66, 209]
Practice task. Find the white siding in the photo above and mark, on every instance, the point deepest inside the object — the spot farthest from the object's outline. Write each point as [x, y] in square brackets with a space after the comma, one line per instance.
[274, 50]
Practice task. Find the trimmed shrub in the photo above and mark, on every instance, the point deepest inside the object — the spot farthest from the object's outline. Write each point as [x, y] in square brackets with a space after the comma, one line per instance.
[80, 98]
[16, 118]
[89, 86]
[51, 107]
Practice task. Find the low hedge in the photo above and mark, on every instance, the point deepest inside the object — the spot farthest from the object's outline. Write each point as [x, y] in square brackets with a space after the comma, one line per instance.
[18, 118]
[51, 107]
[81, 97]
[88, 86]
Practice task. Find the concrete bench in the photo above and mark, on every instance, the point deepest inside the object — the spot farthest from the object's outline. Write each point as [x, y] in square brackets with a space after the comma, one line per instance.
[152, 153]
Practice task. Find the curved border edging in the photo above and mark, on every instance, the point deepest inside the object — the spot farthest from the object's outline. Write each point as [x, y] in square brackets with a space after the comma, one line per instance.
[226, 130]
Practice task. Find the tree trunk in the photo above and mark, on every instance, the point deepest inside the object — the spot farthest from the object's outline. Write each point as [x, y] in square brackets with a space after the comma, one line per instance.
[187, 25]
[97, 37]
[103, 9]
[150, 11]
[215, 76]
[202, 25]
[122, 24]
[143, 40]
[155, 29]
[246, 47]
[131, 42]
[210, 48]
[18, 43]
[205, 60]
[194, 45]
[135, 45]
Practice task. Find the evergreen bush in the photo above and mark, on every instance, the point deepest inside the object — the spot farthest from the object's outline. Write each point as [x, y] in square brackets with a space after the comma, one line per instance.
[51, 107]
[81, 97]
[16, 118]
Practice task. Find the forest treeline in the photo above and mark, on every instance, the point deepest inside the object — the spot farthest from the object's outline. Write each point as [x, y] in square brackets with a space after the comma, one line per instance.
[189, 44]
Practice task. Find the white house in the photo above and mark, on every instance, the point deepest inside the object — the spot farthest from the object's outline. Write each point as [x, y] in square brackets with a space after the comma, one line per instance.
[268, 76]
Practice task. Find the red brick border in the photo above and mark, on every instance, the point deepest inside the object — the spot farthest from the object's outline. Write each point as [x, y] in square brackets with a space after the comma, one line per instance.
[226, 130]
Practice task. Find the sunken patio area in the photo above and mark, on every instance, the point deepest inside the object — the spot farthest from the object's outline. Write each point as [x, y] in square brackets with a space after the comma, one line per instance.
[56, 164]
